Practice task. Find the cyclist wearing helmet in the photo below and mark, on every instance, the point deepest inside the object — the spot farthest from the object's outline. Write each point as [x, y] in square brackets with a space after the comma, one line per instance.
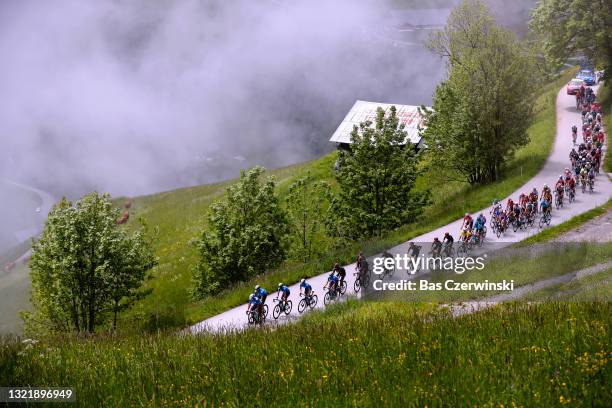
[306, 287]
[332, 282]
[413, 250]
[468, 222]
[340, 272]
[480, 224]
[360, 261]
[546, 198]
[436, 247]
[261, 293]
[283, 291]
[255, 303]
[448, 242]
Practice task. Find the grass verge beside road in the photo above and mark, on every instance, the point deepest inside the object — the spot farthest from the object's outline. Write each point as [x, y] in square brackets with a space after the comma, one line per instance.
[378, 354]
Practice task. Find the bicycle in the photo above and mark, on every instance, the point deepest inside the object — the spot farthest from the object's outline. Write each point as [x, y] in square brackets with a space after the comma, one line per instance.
[283, 306]
[591, 185]
[545, 219]
[254, 317]
[571, 195]
[464, 248]
[307, 301]
[362, 280]
[558, 200]
[331, 294]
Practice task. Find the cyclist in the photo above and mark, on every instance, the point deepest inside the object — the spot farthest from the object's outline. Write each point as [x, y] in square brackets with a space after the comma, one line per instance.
[306, 287]
[467, 221]
[465, 236]
[523, 199]
[533, 198]
[360, 261]
[448, 241]
[414, 250]
[571, 183]
[559, 186]
[591, 176]
[546, 198]
[255, 303]
[583, 175]
[340, 272]
[481, 221]
[332, 282]
[283, 291]
[261, 293]
[436, 247]
[510, 205]
[574, 133]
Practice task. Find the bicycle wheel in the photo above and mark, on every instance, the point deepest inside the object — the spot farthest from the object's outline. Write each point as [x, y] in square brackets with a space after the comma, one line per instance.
[302, 305]
[313, 301]
[266, 310]
[251, 318]
[276, 312]
[288, 307]
[357, 285]
[343, 286]
[327, 299]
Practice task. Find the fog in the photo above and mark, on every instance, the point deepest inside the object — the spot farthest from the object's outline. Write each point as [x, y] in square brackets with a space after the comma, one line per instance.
[135, 97]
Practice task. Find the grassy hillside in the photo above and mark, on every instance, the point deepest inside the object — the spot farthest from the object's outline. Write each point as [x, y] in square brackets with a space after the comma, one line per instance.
[356, 354]
[180, 215]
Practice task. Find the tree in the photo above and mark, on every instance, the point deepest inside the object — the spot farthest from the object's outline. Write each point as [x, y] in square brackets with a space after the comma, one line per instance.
[85, 265]
[305, 203]
[376, 179]
[569, 27]
[247, 235]
[481, 113]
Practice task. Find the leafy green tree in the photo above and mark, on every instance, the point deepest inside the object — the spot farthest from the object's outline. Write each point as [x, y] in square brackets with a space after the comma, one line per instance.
[85, 266]
[306, 202]
[481, 113]
[247, 235]
[376, 180]
[567, 28]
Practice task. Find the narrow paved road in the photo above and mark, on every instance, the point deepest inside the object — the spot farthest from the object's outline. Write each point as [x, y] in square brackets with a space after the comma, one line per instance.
[235, 319]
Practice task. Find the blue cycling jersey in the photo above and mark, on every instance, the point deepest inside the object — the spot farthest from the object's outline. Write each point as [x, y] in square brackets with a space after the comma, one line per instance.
[261, 292]
[284, 289]
[332, 278]
[255, 301]
[306, 286]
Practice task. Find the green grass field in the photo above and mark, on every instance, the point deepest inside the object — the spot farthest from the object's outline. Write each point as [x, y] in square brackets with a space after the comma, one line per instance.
[356, 354]
[180, 216]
